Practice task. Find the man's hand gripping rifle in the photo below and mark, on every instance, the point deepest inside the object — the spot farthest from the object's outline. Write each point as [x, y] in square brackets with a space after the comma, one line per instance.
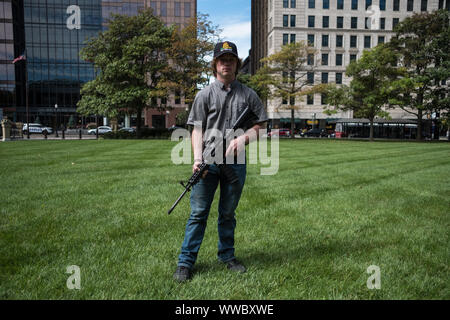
[241, 123]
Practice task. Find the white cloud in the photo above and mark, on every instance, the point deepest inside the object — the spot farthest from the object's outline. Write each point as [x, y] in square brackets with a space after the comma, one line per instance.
[240, 34]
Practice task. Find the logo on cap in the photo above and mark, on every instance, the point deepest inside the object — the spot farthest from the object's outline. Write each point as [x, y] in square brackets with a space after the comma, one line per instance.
[226, 46]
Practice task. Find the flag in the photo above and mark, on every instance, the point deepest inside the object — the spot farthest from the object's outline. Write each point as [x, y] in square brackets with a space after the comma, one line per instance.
[21, 57]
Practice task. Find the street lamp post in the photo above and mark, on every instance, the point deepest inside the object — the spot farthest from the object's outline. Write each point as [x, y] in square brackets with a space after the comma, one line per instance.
[56, 120]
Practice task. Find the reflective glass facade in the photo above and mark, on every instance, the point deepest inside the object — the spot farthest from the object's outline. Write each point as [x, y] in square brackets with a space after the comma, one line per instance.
[54, 38]
[7, 72]
[51, 33]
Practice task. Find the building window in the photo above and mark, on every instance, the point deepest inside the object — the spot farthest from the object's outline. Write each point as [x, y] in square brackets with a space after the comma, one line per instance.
[368, 3]
[340, 4]
[324, 40]
[310, 77]
[187, 9]
[310, 99]
[338, 77]
[285, 77]
[311, 40]
[352, 57]
[339, 59]
[153, 5]
[310, 59]
[366, 23]
[423, 5]
[441, 4]
[395, 22]
[382, 23]
[340, 22]
[311, 20]
[396, 5]
[353, 40]
[177, 9]
[366, 41]
[292, 38]
[324, 59]
[325, 22]
[311, 4]
[339, 42]
[177, 97]
[410, 5]
[383, 5]
[293, 4]
[380, 39]
[285, 39]
[323, 98]
[285, 3]
[354, 23]
[354, 4]
[163, 9]
[285, 20]
[293, 21]
[326, 4]
[324, 77]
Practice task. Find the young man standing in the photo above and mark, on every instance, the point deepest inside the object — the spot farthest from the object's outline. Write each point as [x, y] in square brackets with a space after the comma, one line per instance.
[216, 108]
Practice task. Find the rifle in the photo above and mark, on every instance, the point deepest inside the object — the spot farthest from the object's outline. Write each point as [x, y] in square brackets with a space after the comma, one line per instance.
[208, 154]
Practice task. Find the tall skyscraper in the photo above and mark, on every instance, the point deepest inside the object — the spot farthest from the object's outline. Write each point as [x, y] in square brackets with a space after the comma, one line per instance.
[339, 30]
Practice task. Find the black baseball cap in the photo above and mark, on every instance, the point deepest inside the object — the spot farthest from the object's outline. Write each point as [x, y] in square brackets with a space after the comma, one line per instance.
[225, 47]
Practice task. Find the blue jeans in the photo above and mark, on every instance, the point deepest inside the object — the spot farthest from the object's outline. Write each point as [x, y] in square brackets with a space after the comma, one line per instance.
[202, 196]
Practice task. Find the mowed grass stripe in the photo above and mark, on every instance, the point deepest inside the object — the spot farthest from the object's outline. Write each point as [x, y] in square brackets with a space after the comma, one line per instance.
[309, 232]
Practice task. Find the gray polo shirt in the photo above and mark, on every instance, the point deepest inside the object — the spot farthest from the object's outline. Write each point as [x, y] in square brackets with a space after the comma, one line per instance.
[215, 107]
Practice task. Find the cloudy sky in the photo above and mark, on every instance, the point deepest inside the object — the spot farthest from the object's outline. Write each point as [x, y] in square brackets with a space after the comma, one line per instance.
[233, 17]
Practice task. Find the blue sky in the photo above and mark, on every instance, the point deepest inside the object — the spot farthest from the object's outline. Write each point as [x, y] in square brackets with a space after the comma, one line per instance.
[233, 17]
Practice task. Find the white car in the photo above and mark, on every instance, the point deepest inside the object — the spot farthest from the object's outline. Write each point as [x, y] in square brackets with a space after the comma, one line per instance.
[37, 128]
[101, 130]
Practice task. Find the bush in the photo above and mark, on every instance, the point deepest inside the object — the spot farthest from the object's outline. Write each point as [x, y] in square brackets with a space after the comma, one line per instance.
[146, 133]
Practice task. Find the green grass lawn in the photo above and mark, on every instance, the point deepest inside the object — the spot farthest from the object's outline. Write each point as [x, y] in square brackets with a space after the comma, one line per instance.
[308, 232]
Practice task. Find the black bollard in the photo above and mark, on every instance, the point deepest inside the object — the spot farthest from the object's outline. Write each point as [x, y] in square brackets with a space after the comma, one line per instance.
[80, 134]
[63, 133]
[45, 134]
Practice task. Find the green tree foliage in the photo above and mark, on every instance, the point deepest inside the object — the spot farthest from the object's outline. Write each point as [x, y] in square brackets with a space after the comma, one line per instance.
[367, 94]
[284, 73]
[423, 41]
[130, 59]
[188, 53]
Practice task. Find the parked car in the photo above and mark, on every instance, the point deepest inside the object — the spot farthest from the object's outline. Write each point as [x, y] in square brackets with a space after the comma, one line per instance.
[281, 133]
[128, 129]
[315, 133]
[101, 130]
[37, 128]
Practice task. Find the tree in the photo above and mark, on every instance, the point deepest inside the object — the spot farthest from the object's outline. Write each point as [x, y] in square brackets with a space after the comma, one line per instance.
[367, 94]
[423, 41]
[285, 74]
[189, 52]
[130, 59]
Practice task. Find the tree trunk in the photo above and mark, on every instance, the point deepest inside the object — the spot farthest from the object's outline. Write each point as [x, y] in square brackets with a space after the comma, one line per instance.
[138, 122]
[292, 122]
[371, 129]
[419, 125]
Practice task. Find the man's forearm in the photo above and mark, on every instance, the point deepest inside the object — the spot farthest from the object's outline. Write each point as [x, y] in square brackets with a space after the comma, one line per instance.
[197, 144]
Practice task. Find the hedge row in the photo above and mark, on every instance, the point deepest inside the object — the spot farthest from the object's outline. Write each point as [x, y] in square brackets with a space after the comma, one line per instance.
[145, 133]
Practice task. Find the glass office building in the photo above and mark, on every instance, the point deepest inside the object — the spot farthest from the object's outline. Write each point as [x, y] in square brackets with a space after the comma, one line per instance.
[50, 33]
